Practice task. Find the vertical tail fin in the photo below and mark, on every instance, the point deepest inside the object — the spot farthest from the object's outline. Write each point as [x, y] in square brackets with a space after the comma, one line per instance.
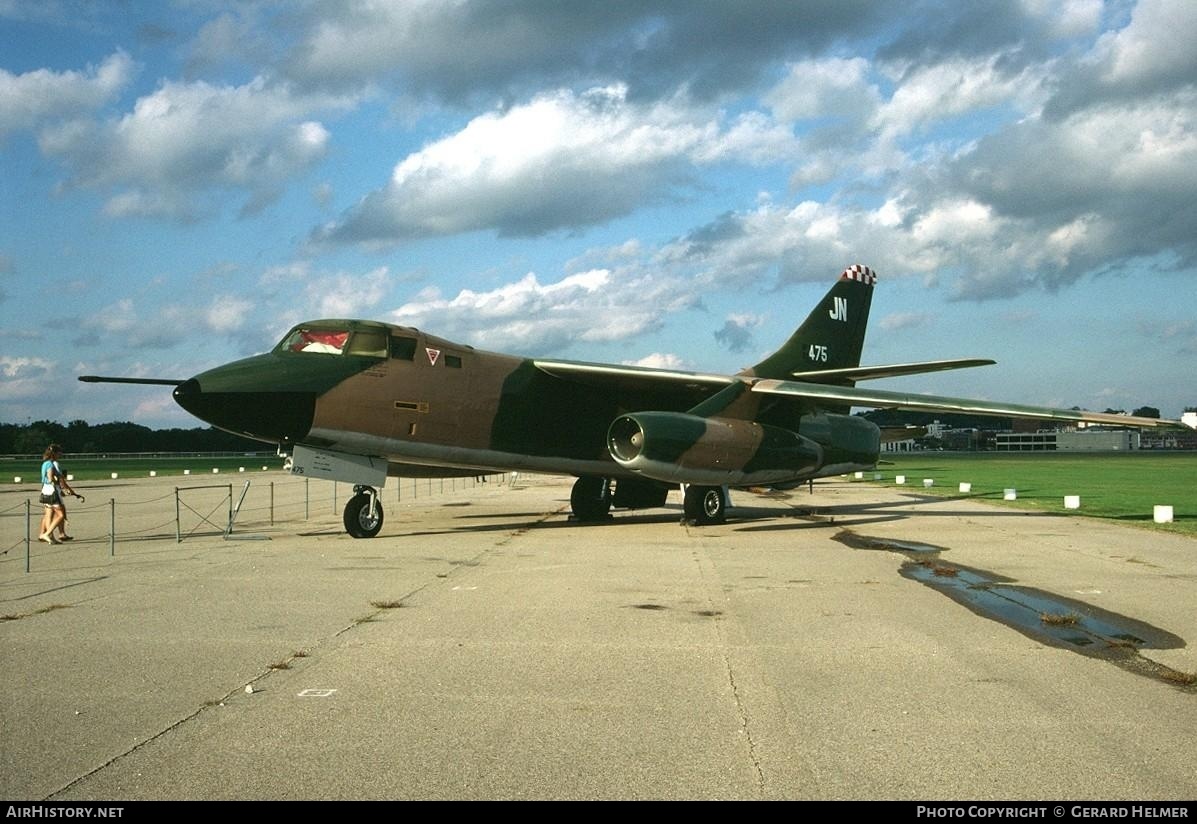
[832, 335]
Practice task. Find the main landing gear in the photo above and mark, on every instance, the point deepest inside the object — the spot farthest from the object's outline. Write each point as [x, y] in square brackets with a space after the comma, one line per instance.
[704, 505]
[363, 513]
[591, 498]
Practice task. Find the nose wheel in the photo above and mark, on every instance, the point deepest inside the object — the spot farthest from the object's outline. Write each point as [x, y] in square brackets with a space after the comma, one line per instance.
[363, 513]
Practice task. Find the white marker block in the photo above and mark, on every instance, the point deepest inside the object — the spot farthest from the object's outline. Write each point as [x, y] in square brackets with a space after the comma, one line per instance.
[215, 470]
[859, 476]
[114, 476]
[1072, 501]
[965, 486]
[264, 469]
[186, 471]
[70, 478]
[153, 474]
[899, 479]
[1010, 495]
[16, 479]
[928, 483]
[876, 476]
[1162, 514]
[241, 469]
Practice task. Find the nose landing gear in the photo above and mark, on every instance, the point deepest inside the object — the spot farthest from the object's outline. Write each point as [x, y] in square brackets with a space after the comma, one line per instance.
[363, 513]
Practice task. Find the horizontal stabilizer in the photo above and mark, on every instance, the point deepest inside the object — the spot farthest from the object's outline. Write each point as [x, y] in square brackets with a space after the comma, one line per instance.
[151, 381]
[877, 399]
[864, 373]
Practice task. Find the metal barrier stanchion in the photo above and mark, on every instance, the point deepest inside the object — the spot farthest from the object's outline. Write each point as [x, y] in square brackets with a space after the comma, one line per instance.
[272, 503]
[28, 518]
[112, 527]
[305, 498]
[205, 518]
[234, 511]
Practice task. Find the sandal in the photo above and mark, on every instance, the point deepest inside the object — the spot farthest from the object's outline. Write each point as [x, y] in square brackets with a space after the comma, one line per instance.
[64, 538]
[45, 538]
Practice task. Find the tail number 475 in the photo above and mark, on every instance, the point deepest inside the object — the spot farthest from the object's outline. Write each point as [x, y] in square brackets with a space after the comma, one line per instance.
[817, 353]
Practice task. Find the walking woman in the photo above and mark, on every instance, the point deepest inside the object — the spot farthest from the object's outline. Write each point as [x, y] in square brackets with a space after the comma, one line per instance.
[53, 509]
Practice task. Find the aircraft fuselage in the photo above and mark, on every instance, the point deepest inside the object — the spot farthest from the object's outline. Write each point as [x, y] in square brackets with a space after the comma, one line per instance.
[427, 404]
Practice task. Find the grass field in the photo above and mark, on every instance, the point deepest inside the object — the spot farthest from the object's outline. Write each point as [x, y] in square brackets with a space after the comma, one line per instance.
[1119, 487]
[93, 469]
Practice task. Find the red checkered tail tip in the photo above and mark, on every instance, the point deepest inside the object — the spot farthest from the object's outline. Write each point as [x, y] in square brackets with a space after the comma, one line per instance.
[862, 274]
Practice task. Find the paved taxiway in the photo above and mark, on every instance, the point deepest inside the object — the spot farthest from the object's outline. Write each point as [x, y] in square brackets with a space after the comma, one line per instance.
[532, 657]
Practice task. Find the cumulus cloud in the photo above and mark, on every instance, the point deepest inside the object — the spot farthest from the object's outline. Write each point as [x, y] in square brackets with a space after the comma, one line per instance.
[296, 292]
[25, 377]
[1155, 47]
[659, 360]
[458, 52]
[121, 323]
[736, 333]
[186, 139]
[560, 160]
[227, 313]
[232, 37]
[599, 305]
[952, 88]
[127, 324]
[35, 98]
[1039, 194]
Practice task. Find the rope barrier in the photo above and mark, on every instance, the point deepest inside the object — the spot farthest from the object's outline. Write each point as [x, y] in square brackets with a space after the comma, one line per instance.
[289, 500]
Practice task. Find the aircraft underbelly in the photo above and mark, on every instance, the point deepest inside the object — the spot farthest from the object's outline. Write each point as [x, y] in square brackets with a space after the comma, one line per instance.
[400, 451]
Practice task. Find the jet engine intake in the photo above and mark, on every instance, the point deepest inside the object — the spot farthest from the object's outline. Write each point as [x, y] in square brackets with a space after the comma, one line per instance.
[676, 447]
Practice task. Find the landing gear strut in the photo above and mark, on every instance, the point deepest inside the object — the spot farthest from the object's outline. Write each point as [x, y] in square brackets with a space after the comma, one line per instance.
[591, 498]
[363, 513]
[704, 505]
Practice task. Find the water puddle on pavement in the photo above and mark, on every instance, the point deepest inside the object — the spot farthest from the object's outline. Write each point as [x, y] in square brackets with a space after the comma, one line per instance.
[1042, 616]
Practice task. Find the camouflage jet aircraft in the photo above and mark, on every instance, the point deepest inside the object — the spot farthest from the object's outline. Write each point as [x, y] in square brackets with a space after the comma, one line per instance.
[358, 401]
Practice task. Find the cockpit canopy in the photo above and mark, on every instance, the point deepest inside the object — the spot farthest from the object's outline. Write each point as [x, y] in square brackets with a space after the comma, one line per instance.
[357, 338]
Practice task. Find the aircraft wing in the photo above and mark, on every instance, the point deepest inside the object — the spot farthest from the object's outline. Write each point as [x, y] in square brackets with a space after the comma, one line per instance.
[878, 399]
[147, 381]
[862, 373]
[606, 374]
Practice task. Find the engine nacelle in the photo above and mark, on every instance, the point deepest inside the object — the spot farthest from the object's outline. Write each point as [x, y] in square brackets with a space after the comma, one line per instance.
[675, 447]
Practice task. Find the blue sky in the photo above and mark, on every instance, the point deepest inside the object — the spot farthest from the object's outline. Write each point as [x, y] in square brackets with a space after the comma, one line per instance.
[642, 182]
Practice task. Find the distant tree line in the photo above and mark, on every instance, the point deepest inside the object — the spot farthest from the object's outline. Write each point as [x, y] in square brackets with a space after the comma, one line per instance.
[121, 436]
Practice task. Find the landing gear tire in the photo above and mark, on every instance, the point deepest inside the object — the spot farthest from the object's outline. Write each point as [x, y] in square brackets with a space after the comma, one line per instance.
[704, 505]
[591, 498]
[363, 515]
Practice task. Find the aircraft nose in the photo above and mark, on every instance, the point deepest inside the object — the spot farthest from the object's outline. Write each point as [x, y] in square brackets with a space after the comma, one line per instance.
[266, 415]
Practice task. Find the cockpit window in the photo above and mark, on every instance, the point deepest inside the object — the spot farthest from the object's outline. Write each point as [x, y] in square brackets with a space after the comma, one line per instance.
[403, 348]
[371, 343]
[325, 341]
